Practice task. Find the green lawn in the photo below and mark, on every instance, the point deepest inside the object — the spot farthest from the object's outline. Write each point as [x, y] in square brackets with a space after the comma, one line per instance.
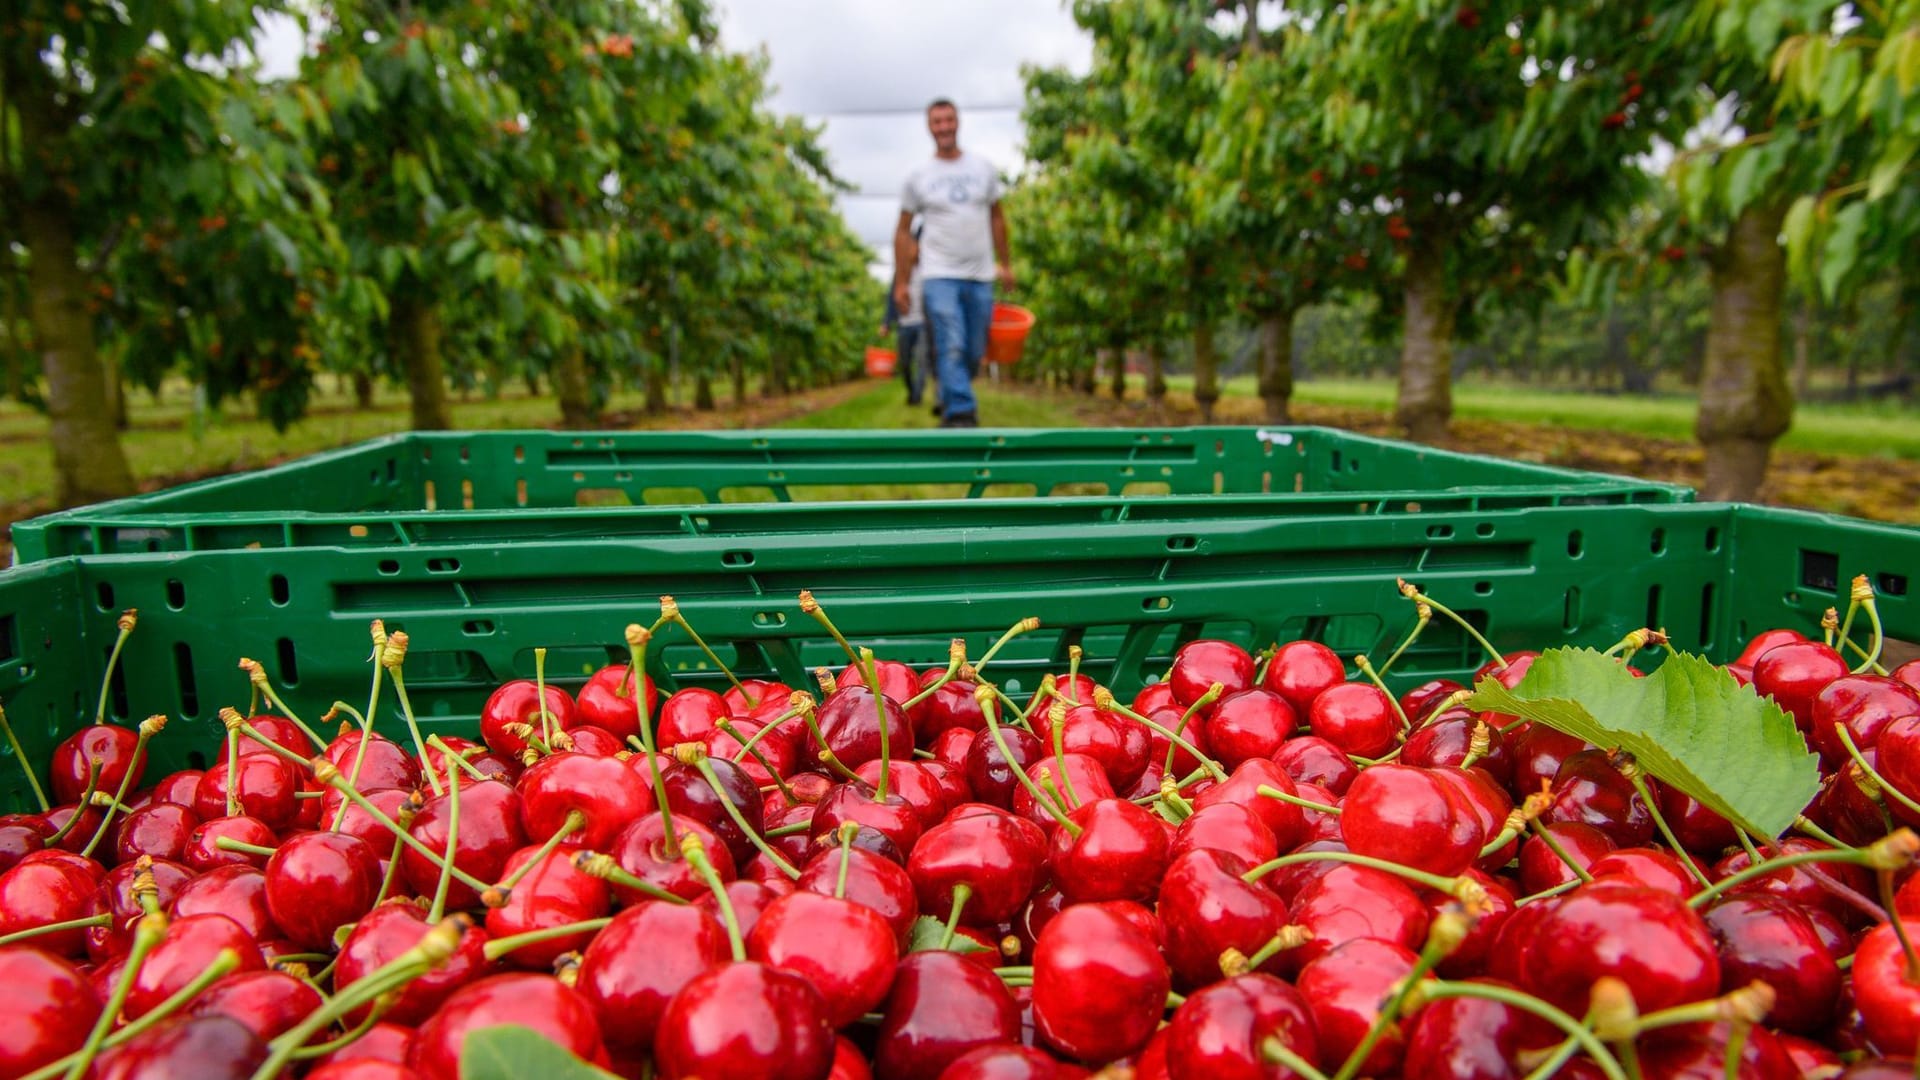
[885, 406]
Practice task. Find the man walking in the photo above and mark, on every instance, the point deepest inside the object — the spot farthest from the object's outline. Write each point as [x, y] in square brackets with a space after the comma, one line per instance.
[963, 251]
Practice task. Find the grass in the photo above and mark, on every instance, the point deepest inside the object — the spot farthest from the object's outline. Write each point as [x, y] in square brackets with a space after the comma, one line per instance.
[885, 407]
[1869, 428]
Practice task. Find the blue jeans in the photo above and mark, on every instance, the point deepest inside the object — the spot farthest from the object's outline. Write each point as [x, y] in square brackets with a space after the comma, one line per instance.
[958, 311]
[911, 342]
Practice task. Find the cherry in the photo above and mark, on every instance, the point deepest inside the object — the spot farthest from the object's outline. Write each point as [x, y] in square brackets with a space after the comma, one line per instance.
[1447, 739]
[1650, 940]
[1908, 673]
[894, 818]
[279, 731]
[1758, 645]
[1207, 909]
[586, 739]
[1418, 702]
[898, 683]
[1654, 868]
[607, 701]
[1471, 957]
[541, 1002]
[876, 882]
[688, 714]
[1119, 744]
[844, 950]
[1099, 983]
[951, 745]
[1344, 988]
[641, 850]
[1199, 664]
[1791, 674]
[357, 822]
[1796, 883]
[1412, 817]
[157, 829]
[266, 786]
[365, 1068]
[189, 948]
[766, 692]
[1538, 752]
[319, 881]
[1699, 829]
[518, 702]
[1312, 760]
[1346, 902]
[490, 831]
[1249, 724]
[1119, 853]
[1865, 705]
[1468, 1038]
[1078, 778]
[745, 1021]
[1229, 827]
[1686, 1051]
[198, 1047]
[995, 855]
[1887, 997]
[1286, 820]
[554, 893]
[46, 1009]
[1004, 1062]
[269, 1003]
[238, 892]
[1541, 868]
[848, 720]
[950, 708]
[386, 932]
[383, 765]
[1589, 790]
[20, 839]
[922, 790]
[177, 787]
[989, 774]
[72, 762]
[1300, 670]
[780, 753]
[603, 791]
[38, 893]
[1356, 717]
[1772, 940]
[634, 966]
[941, 1006]
[116, 893]
[1219, 1031]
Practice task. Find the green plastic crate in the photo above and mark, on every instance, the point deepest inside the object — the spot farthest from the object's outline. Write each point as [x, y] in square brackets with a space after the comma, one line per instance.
[451, 487]
[1129, 591]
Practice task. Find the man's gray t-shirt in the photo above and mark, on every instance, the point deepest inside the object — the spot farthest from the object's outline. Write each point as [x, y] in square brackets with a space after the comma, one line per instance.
[953, 199]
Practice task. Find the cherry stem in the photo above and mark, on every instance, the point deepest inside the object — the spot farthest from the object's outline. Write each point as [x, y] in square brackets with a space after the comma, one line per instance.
[1026, 625]
[1425, 616]
[1366, 668]
[962, 892]
[455, 759]
[1553, 844]
[595, 864]
[956, 656]
[740, 819]
[359, 751]
[1505, 837]
[439, 908]
[574, 822]
[868, 669]
[695, 853]
[988, 708]
[1602, 1057]
[413, 726]
[228, 843]
[347, 1038]
[500, 947]
[113, 660]
[1899, 924]
[19, 755]
[147, 728]
[747, 746]
[233, 771]
[1555, 1061]
[1174, 739]
[223, 964]
[1275, 793]
[637, 638]
[258, 675]
[1652, 804]
[848, 830]
[1057, 732]
[794, 829]
[387, 879]
[147, 935]
[1419, 597]
[1736, 1047]
[812, 607]
[1853, 606]
[1846, 739]
[1275, 1052]
[408, 838]
[80, 808]
[431, 953]
[1874, 667]
[1432, 881]
[1853, 856]
[540, 693]
[1548, 894]
[1289, 937]
[667, 604]
[1212, 695]
[1435, 950]
[54, 928]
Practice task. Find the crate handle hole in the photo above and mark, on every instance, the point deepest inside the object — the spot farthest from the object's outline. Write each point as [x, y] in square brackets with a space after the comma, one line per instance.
[1483, 588]
[389, 566]
[289, 663]
[478, 627]
[1183, 543]
[736, 558]
[278, 589]
[1484, 529]
[1439, 532]
[176, 594]
[1657, 543]
[1156, 603]
[104, 593]
[1576, 543]
[769, 618]
[443, 566]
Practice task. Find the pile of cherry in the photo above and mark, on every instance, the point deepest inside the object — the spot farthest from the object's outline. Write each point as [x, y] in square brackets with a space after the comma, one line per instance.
[1255, 868]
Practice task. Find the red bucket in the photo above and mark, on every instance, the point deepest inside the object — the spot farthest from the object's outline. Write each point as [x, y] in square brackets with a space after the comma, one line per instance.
[1007, 335]
[880, 361]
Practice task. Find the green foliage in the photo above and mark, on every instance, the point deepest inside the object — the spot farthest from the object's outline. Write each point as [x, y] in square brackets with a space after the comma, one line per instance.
[1689, 723]
[514, 1052]
[929, 932]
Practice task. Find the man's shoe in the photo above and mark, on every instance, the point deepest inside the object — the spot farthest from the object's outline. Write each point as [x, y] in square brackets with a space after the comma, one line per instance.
[936, 407]
[961, 420]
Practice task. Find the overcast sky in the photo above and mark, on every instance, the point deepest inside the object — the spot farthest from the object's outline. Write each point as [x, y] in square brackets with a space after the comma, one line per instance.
[866, 69]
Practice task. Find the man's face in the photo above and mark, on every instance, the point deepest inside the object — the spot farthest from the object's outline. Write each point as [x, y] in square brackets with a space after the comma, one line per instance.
[943, 121]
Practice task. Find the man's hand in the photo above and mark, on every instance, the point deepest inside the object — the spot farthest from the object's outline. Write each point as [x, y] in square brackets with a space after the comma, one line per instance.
[885, 329]
[902, 299]
[1004, 273]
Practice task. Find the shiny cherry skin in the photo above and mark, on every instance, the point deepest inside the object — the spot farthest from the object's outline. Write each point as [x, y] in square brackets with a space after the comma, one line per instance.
[1200, 664]
[1251, 723]
[1889, 1004]
[1589, 790]
[107, 745]
[1792, 674]
[941, 1006]
[18, 839]
[1864, 705]
[204, 853]
[602, 790]
[279, 731]
[189, 947]
[268, 1002]
[1003, 1062]
[490, 831]
[1218, 1032]
[554, 893]
[383, 764]
[1655, 868]
[1447, 739]
[607, 701]
[1471, 1039]
[541, 1002]
[39, 893]
[951, 745]
[687, 715]
[157, 829]
[995, 855]
[1119, 744]
[1344, 989]
[1120, 853]
[1206, 908]
[848, 719]
[1420, 702]
[1099, 984]
[1799, 883]
[641, 850]
[1079, 779]
[357, 822]
[1772, 940]
[1411, 816]
[1538, 752]
[46, 1009]
[177, 787]
[1541, 868]
[1700, 830]
[184, 1047]
[872, 880]
[319, 881]
[1650, 940]
[1356, 717]
[895, 817]
[744, 1021]
[952, 707]
[1689, 1051]
[1286, 820]
[518, 702]
[238, 892]
[897, 681]
[1229, 827]
[266, 786]
[1310, 759]
[116, 893]
[634, 966]
[390, 930]
[1349, 902]
[1301, 670]
[925, 791]
[844, 950]
[988, 773]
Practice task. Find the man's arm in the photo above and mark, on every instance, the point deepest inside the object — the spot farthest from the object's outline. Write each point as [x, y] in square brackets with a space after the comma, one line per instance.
[1002, 258]
[903, 263]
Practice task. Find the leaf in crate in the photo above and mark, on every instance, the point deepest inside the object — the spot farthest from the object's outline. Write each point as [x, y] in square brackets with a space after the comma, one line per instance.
[1689, 723]
[928, 932]
[513, 1052]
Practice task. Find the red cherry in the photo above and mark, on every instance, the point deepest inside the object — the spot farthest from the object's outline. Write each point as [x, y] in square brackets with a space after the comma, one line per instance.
[157, 829]
[1589, 790]
[744, 1021]
[1004, 1062]
[1200, 664]
[1120, 853]
[1772, 940]
[688, 714]
[1412, 817]
[1422, 699]
[1347, 902]
[1538, 752]
[390, 930]
[177, 787]
[541, 1002]
[1650, 940]
[1229, 827]
[317, 882]
[1119, 744]
[897, 681]
[554, 893]
[988, 773]
[39, 893]
[1700, 1050]
[518, 702]
[268, 1002]
[189, 948]
[1219, 1031]
[1654, 868]
[1446, 740]
[1249, 724]
[1286, 820]
[1312, 760]
[996, 855]
[852, 727]
[1099, 984]
[844, 950]
[950, 708]
[1542, 869]
[279, 731]
[894, 818]
[1079, 779]
[1207, 909]
[1472, 1039]
[924, 791]
[74, 759]
[1356, 717]
[383, 765]
[357, 822]
[46, 1009]
[116, 893]
[1758, 645]
[266, 788]
[1888, 1000]
[634, 966]
[1345, 988]
[203, 853]
[607, 701]
[1797, 883]
[1700, 830]
[238, 892]
[1865, 705]
[641, 850]
[764, 692]
[1791, 674]
[876, 882]
[203, 1047]
[602, 790]
[941, 1006]
[489, 832]
[1300, 670]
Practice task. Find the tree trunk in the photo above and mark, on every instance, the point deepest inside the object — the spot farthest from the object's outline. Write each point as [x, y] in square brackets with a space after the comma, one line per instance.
[1425, 402]
[1276, 364]
[1745, 403]
[89, 463]
[413, 336]
[1803, 348]
[1156, 374]
[116, 381]
[363, 390]
[570, 385]
[1206, 368]
[655, 379]
[739, 374]
[1117, 377]
[703, 392]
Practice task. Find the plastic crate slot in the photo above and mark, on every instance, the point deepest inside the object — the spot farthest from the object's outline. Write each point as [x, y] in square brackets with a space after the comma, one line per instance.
[1266, 483]
[1653, 607]
[183, 680]
[1148, 487]
[752, 493]
[477, 627]
[769, 618]
[358, 532]
[1704, 641]
[389, 566]
[278, 590]
[1334, 462]
[176, 594]
[1484, 529]
[439, 667]
[116, 688]
[1090, 487]
[431, 503]
[443, 566]
[1183, 543]
[672, 496]
[466, 452]
[1713, 538]
[103, 595]
[1156, 603]
[1892, 584]
[1570, 616]
[520, 454]
[1009, 491]
[466, 494]
[602, 496]
[393, 469]
[1442, 531]
[289, 663]
[520, 491]
[1219, 483]
[1576, 543]
[1483, 588]
[736, 558]
[1820, 570]
[9, 641]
